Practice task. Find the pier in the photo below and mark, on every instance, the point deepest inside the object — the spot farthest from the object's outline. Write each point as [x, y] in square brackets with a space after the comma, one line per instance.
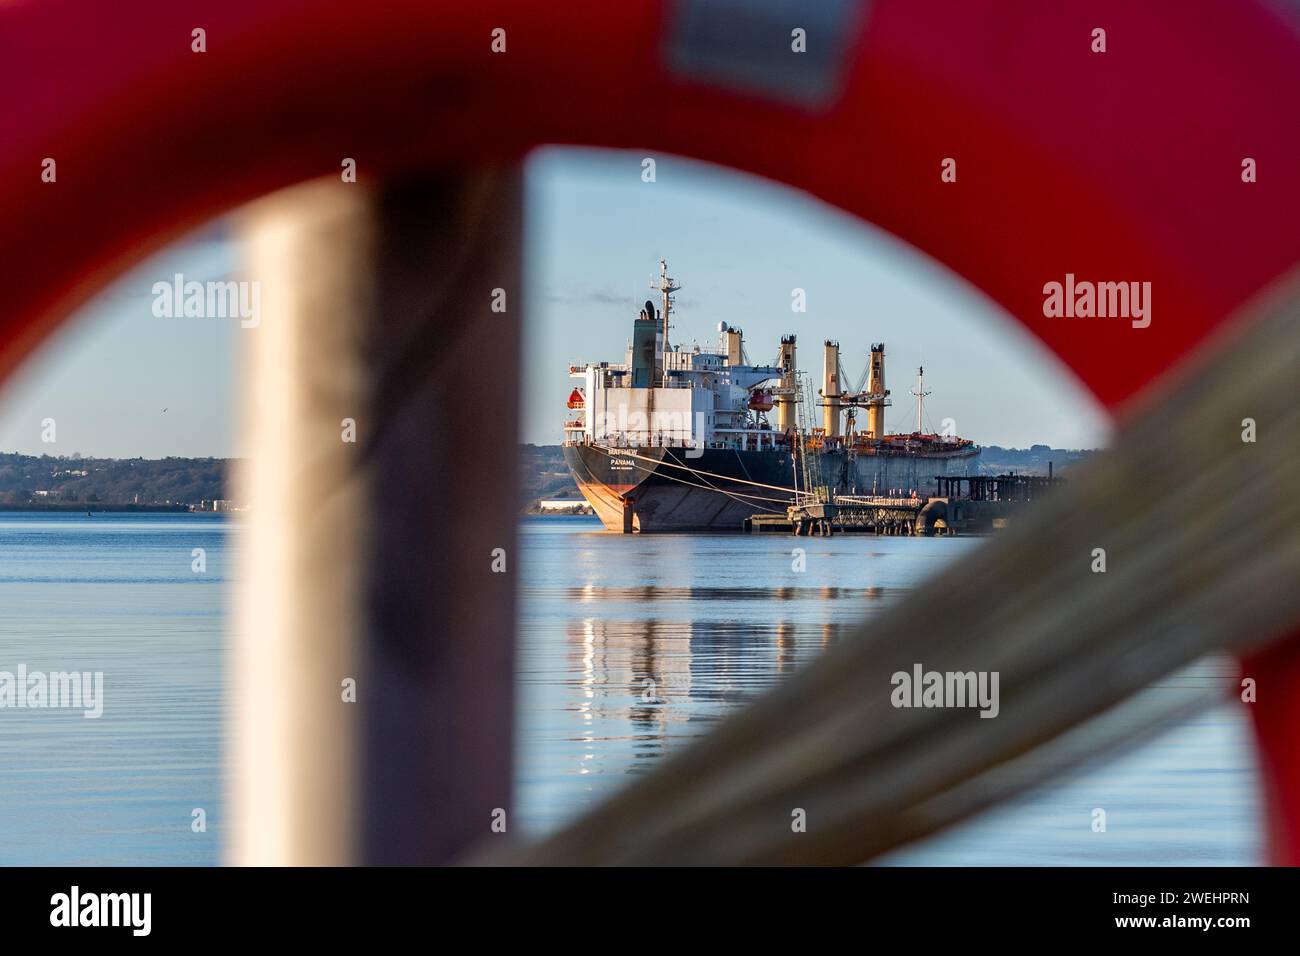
[1009, 487]
[854, 514]
[965, 504]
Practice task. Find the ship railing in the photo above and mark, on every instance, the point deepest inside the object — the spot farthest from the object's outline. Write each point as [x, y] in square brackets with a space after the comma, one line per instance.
[654, 441]
[745, 439]
[680, 360]
[680, 383]
[881, 501]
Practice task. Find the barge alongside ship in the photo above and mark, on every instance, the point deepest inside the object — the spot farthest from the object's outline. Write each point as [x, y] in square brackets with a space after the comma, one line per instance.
[683, 441]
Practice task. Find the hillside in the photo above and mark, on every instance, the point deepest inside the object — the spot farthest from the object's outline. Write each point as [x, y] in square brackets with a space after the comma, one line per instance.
[27, 479]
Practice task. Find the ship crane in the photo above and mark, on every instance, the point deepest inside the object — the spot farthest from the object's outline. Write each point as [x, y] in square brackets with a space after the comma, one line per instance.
[849, 399]
[871, 393]
[865, 399]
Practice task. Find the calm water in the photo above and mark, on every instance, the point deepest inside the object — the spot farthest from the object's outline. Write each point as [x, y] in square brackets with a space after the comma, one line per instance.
[117, 594]
[630, 647]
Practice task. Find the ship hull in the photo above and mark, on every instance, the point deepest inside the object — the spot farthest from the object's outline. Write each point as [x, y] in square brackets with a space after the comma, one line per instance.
[661, 490]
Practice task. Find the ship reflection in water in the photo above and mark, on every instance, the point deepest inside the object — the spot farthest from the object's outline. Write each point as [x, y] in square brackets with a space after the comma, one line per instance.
[632, 646]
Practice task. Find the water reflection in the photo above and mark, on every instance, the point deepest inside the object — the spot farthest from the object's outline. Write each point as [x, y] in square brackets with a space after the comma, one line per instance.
[592, 592]
[632, 646]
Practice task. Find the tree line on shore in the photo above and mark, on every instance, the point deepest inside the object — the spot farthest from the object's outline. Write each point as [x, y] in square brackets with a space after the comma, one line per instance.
[74, 480]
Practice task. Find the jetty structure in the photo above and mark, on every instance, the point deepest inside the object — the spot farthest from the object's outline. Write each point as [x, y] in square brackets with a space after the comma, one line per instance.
[692, 440]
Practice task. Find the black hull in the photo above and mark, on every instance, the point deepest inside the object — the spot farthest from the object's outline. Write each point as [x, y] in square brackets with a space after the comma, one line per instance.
[662, 490]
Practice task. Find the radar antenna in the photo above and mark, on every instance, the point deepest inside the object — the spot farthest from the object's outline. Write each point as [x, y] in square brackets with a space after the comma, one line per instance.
[666, 285]
[920, 394]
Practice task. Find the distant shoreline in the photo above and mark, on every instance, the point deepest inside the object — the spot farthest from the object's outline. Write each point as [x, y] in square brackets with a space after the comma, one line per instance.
[70, 484]
[97, 507]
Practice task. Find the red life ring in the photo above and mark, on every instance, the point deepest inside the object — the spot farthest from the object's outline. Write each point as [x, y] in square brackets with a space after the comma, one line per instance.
[1121, 165]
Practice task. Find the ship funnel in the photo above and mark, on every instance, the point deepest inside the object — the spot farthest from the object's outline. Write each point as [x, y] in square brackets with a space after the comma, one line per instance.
[645, 358]
[831, 388]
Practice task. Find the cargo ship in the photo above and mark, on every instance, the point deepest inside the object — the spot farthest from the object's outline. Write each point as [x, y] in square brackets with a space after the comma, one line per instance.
[698, 440]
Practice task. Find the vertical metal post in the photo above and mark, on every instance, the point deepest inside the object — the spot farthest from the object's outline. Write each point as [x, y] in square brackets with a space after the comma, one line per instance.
[372, 660]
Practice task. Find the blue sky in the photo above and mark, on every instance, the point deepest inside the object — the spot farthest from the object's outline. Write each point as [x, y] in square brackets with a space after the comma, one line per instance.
[595, 234]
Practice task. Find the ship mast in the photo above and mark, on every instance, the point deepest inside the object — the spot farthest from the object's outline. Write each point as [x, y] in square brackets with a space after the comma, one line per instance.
[666, 286]
[920, 394]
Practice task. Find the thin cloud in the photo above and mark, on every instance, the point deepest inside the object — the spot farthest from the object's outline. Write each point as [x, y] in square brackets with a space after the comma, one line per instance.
[602, 296]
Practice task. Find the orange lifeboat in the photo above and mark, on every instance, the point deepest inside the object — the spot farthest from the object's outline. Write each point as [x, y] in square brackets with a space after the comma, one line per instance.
[761, 400]
[577, 399]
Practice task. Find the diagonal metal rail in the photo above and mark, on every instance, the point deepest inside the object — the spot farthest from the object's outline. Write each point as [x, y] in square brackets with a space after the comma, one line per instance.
[1201, 534]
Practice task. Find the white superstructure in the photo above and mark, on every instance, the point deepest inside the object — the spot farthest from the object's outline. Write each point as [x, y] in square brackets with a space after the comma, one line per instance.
[666, 396]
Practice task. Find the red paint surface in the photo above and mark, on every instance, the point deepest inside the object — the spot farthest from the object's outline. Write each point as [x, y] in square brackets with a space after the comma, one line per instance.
[1117, 166]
